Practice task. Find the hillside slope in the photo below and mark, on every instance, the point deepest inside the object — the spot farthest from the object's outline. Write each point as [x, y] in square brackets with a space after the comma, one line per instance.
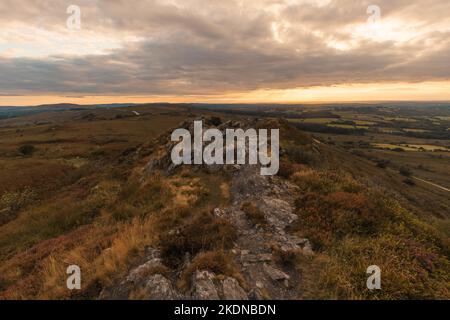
[141, 228]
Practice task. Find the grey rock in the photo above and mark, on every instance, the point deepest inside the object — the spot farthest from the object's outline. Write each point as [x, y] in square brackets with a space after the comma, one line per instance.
[140, 272]
[274, 273]
[160, 288]
[232, 290]
[255, 258]
[203, 286]
[307, 248]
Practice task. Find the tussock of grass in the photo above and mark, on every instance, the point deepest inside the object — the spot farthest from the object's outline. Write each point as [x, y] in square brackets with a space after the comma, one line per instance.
[201, 232]
[219, 262]
[253, 213]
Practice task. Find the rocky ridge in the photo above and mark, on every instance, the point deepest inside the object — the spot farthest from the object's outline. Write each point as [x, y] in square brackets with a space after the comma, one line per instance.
[254, 248]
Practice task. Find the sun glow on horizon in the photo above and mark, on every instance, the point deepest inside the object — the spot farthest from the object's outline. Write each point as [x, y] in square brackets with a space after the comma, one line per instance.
[421, 91]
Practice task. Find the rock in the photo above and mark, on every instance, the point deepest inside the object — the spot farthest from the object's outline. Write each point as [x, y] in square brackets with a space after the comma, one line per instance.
[140, 272]
[218, 213]
[259, 284]
[255, 258]
[307, 248]
[151, 253]
[203, 286]
[160, 288]
[274, 273]
[232, 290]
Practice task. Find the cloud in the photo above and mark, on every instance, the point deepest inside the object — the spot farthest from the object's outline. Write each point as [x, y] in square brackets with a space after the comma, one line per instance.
[194, 47]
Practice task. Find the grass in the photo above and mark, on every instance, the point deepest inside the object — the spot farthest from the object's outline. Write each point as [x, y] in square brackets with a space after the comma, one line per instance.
[352, 227]
[200, 232]
[82, 198]
[219, 262]
[410, 147]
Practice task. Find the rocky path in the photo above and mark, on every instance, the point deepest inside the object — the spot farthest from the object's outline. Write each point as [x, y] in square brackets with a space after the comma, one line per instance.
[254, 246]
[264, 276]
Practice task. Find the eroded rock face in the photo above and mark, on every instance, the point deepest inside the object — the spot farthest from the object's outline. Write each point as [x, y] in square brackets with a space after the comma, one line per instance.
[275, 274]
[232, 290]
[255, 249]
[203, 287]
[139, 273]
[160, 288]
[143, 277]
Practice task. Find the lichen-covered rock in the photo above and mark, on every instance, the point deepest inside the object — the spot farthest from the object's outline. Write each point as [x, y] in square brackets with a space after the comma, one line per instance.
[275, 274]
[232, 290]
[140, 272]
[160, 288]
[203, 287]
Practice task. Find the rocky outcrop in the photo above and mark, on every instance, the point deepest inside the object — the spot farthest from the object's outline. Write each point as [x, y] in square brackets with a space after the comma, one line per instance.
[206, 286]
[160, 288]
[232, 290]
[254, 250]
[203, 286]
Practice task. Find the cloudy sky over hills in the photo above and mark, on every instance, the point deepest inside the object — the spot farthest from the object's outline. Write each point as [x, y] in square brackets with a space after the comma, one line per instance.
[234, 50]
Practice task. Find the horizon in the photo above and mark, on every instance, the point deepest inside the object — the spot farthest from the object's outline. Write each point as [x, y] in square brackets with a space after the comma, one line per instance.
[319, 103]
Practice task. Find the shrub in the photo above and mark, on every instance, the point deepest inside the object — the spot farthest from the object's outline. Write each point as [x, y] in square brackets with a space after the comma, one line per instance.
[286, 169]
[325, 219]
[287, 258]
[27, 149]
[325, 182]
[298, 154]
[215, 121]
[382, 163]
[124, 212]
[12, 202]
[203, 232]
[253, 213]
[405, 171]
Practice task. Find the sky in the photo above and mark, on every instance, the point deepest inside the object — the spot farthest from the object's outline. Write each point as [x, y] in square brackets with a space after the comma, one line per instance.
[104, 51]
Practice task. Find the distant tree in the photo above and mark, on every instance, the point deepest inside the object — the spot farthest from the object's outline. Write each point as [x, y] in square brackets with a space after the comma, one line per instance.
[405, 171]
[382, 163]
[215, 121]
[27, 149]
[409, 182]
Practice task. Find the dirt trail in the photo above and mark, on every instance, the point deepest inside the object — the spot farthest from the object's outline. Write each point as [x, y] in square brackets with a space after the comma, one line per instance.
[432, 184]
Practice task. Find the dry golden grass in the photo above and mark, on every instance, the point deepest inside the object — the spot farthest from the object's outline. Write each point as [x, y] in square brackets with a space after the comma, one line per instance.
[100, 262]
[353, 227]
